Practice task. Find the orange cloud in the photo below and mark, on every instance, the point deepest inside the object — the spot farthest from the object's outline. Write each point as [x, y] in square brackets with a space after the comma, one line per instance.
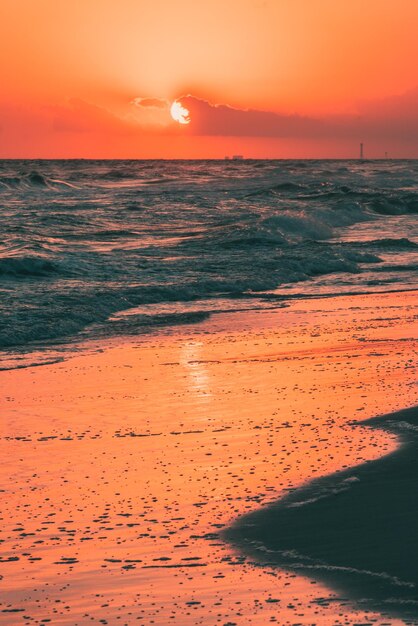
[143, 127]
[81, 116]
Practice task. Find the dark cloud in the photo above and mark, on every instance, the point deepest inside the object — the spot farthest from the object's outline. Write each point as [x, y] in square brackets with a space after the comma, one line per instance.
[395, 117]
[221, 119]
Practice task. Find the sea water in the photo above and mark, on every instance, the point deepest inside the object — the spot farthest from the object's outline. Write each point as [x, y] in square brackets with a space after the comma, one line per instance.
[95, 249]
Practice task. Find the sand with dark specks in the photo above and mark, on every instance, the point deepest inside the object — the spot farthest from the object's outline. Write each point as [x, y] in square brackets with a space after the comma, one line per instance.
[122, 468]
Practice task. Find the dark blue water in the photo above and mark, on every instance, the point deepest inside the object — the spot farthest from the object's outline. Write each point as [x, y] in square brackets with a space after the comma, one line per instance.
[94, 249]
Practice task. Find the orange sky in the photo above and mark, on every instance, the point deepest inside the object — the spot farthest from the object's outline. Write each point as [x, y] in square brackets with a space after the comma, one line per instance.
[297, 78]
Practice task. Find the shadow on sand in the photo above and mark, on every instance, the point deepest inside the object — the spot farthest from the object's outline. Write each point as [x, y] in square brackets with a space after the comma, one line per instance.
[356, 531]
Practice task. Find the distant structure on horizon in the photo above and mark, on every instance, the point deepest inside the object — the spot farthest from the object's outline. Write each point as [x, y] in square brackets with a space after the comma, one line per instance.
[234, 157]
[361, 152]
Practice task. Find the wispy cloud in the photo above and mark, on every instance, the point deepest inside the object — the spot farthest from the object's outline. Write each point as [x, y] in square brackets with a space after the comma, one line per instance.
[151, 103]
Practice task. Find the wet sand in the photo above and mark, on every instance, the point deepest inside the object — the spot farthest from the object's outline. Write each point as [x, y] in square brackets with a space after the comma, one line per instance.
[356, 530]
[121, 469]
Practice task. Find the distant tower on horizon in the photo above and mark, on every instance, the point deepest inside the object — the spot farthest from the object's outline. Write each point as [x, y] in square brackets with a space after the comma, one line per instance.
[361, 152]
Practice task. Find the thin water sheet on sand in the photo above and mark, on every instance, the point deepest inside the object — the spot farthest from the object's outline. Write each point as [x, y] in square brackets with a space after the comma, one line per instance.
[121, 469]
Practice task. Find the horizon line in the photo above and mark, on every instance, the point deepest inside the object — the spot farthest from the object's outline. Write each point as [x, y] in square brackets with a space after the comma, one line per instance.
[227, 159]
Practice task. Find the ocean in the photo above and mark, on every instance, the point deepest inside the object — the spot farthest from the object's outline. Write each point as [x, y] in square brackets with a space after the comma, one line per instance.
[96, 249]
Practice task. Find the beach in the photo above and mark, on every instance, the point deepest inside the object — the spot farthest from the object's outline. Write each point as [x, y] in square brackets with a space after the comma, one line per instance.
[126, 465]
[208, 313]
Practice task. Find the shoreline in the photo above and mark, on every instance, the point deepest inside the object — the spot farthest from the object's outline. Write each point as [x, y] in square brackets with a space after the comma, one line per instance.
[65, 348]
[353, 530]
[122, 467]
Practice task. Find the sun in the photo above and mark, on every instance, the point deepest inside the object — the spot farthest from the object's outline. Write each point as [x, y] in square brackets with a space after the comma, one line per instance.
[179, 113]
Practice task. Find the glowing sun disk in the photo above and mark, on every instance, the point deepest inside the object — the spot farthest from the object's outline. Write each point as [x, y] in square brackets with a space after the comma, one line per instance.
[179, 113]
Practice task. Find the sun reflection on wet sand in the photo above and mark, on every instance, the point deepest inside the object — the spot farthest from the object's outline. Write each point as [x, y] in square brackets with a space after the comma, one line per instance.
[198, 374]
